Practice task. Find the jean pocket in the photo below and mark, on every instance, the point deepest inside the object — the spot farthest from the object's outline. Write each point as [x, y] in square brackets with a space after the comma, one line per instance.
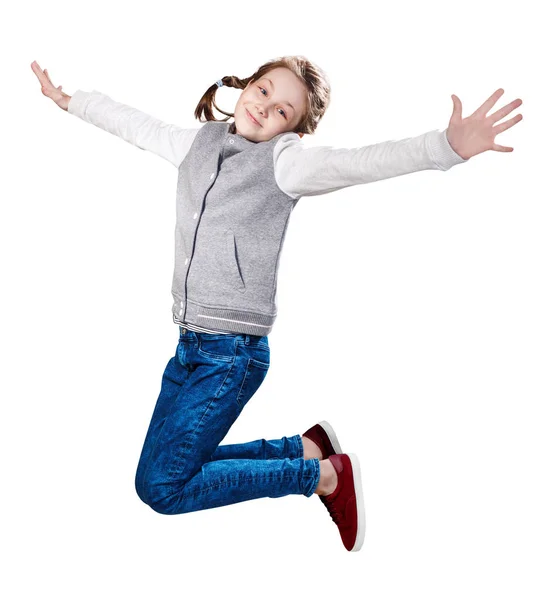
[181, 353]
[255, 374]
[217, 347]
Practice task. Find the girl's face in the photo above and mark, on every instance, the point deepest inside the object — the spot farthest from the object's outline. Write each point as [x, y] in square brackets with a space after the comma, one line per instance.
[276, 101]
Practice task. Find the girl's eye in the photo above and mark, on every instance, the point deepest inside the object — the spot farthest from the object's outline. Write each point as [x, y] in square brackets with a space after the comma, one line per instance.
[283, 113]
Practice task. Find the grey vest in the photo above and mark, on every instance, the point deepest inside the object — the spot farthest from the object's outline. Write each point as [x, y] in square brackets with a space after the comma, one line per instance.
[231, 218]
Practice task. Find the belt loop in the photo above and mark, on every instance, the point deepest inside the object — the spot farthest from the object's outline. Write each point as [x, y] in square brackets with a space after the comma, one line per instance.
[247, 340]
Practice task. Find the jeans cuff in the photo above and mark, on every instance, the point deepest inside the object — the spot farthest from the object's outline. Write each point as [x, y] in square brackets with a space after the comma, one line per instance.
[300, 445]
[312, 470]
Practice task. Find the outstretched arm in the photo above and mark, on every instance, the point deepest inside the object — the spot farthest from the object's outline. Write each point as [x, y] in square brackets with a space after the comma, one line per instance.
[311, 171]
[302, 171]
[134, 126]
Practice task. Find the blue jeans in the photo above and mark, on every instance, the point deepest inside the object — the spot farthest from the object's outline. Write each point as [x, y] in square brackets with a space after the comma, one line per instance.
[205, 387]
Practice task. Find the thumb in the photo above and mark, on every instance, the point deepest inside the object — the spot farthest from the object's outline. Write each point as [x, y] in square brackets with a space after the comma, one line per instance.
[457, 109]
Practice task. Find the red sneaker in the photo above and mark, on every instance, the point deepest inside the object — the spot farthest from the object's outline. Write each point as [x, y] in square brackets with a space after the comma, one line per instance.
[346, 503]
[324, 436]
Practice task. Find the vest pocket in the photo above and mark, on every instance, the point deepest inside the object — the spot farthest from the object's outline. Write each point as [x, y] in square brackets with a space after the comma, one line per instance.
[232, 261]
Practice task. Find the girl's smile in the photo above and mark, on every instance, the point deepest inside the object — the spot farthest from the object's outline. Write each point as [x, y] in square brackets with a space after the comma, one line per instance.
[252, 119]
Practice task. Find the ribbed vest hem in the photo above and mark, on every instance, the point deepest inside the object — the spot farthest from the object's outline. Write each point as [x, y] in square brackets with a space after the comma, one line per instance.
[235, 321]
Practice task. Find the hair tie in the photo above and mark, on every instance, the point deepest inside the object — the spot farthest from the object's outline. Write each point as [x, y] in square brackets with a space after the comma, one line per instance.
[220, 83]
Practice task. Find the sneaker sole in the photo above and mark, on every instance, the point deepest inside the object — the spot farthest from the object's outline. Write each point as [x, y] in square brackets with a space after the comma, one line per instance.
[360, 535]
[332, 436]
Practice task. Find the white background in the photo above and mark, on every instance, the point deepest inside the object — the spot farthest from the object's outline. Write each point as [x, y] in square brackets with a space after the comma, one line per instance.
[416, 314]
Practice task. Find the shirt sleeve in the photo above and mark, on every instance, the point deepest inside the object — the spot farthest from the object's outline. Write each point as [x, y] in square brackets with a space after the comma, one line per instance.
[310, 171]
[138, 128]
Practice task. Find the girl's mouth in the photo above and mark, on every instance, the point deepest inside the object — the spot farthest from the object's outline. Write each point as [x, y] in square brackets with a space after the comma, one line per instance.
[251, 118]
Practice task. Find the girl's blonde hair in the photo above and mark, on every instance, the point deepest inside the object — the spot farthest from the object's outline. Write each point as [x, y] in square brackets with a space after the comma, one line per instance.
[314, 79]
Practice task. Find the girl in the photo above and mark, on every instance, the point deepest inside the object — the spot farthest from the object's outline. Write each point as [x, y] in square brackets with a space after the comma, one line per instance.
[237, 185]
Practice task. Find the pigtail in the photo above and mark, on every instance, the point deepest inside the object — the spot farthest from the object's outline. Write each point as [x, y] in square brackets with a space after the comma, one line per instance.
[207, 102]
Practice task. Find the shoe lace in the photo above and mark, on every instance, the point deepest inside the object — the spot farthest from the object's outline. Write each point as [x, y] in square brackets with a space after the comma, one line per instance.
[334, 512]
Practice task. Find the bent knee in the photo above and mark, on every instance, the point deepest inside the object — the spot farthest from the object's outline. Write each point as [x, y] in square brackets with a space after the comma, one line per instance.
[164, 500]
[163, 507]
[163, 496]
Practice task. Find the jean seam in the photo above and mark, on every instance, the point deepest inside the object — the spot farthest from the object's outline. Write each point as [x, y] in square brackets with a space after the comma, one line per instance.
[218, 484]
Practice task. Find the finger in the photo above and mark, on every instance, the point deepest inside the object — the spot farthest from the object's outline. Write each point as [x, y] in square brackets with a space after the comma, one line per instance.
[488, 104]
[504, 126]
[503, 112]
[39, 73]
[35, 66]
[502, 148]
[457, 109]
[48, 77]
[43, 79]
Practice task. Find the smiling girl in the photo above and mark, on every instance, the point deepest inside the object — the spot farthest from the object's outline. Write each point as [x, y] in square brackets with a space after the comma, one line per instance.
[237, 186]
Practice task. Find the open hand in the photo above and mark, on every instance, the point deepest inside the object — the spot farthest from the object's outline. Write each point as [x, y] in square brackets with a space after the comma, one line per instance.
[47, 87]
[476, 134]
